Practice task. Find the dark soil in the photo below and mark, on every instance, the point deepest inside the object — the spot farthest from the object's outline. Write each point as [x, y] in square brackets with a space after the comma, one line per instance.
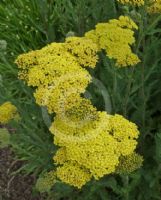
[14, 186]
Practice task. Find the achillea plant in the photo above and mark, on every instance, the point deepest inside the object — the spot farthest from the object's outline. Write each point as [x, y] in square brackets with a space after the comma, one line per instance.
[90, 142]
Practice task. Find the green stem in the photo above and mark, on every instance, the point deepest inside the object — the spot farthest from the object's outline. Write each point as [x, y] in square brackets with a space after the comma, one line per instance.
[128, 92]
[144, 25]
[114, 89]
[152, 25]
[114, 7]
[126, 185]
[141, 37]
[144, 102]
[143, 90]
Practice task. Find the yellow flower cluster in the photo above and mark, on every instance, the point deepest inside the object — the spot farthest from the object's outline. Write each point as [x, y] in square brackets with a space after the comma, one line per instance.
[95, 146]
[7, 112]
[132, 2]
[116, 38]
[58, 75]
[71, 173]
[125, 132]
[155, 6]
[91, 142]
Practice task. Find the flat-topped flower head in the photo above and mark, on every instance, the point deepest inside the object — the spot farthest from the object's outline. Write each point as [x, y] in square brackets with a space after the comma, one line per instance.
[132, 2]
[124, 22]
[97, 146]
[116, 38]
[7, 112]
[73, 174]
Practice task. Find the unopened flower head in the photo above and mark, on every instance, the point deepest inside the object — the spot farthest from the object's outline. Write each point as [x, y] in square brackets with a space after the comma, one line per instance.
[154, 7]
[130, 163]
[45, 182]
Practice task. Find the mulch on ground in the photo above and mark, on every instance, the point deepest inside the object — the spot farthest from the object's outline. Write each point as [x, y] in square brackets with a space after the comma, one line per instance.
[14, 186]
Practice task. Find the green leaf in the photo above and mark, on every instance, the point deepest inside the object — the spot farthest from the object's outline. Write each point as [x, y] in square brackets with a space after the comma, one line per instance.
[4, 138]
[158, 147]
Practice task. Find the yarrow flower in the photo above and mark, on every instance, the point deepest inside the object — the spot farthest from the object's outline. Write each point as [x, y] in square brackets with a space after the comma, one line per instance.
[154, 6]
[73, 174]
[57, 75]
[132, 2]
[7, 112]
[96, 147]
[116, 38]
[90, 142]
